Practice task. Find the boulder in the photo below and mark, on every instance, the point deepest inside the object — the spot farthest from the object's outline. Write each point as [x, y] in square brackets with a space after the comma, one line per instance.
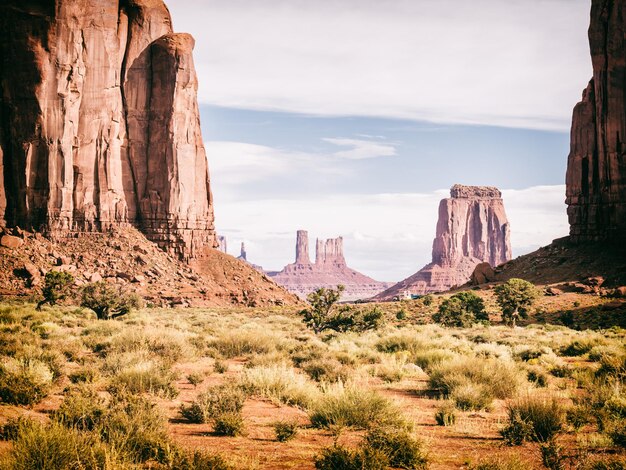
[10, 241]
[483, 273]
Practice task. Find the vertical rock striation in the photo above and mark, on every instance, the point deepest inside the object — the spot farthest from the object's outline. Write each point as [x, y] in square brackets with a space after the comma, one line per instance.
[472, 228]
[596, 166]
[329, 270]
[99, 122]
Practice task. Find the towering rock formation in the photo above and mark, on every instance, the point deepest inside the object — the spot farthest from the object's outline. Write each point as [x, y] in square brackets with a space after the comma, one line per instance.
[472, 228]
[99, 122]
[596, 167]
[329, 270]
[222, 244]
[302, 247]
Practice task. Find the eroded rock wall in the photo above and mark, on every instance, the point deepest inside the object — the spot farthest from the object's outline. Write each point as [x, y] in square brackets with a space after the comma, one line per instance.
[596, 167]
[99, 122]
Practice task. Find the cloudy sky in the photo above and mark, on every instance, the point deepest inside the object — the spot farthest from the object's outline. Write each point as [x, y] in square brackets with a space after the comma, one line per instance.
[354, 117]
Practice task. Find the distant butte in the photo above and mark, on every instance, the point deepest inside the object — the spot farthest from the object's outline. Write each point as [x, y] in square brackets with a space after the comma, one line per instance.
[472, 229]
[329, 270]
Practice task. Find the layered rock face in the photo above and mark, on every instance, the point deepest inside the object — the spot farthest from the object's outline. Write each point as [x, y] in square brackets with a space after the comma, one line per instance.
[472, 228]
[329, 270]
[99, 122]
[596, 167]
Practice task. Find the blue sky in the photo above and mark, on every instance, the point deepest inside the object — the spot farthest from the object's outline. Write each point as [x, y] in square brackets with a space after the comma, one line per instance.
[354, 117]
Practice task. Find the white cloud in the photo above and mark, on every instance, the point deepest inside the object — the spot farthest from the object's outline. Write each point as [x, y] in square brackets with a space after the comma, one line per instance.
[387, 236]
[520, 63]
[361, 149]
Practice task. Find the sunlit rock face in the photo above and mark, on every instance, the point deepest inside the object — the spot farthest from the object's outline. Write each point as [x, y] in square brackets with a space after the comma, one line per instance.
[329, 270]
[596, 167]
[472, 228]
[100, 124]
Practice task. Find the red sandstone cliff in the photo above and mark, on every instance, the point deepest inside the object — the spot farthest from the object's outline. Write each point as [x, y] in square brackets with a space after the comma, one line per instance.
[472, 228]
[596, 167]
[99, 122]
[329, 270]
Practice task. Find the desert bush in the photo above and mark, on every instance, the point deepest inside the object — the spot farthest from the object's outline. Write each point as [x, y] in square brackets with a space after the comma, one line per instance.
[545, 418]
[340, 457]
[56, 287]
[428, 358]
[446, 414]
[216, 401]
[512, 463]
[398, 342]
[326, 370]
[400, 447]
[55, 447]
[517, 431]
[577, 348]
[229, 424]
[108, 301]
[605, 463]
[146, 376]
[220, 367]
[498, 378]
[134, 425]
[243, 342]
[578, 416]
[198, 461]
[285, 430]
[280, 384]
[427, 300]
[24, 381]
[82, 408]
[461, 310]
[471, 396]
[561, 370]
[85, 375]
[552, 455]
[195, 379]
[321, 316]
[537, 377]
[342, 405]
[515, 297]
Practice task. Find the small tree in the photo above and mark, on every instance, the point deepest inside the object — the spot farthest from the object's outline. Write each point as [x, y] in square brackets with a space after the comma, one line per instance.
[56, 287]
[107, 301]
[515, 297]
[461, 310]
[322, 301]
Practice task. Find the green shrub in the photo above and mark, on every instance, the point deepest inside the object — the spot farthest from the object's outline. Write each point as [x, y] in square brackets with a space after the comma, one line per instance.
[538, 378]
[213, 403]
[340, 457]
[578, 416]
[351, 406]
[513, 463]
[544, 416]
[147, 376]
[401, 315]
[55, 447]
[198, 461]
[57, 285]
[461, 310]
[82, 409]
[577, 348]
[24, 381]
[552, 455]
[517, 431]
[446, 414]
[285, 430]
[87, 375]
[220, 367]
[492, 378]
[108, 301]
[561, 370]
[471, 396]
[241, 343]
[319, 316]
[195, 379]
[280, 384]
[134, 426]
[400, 447]
[326, 370]
[515, 297]
[228, 424]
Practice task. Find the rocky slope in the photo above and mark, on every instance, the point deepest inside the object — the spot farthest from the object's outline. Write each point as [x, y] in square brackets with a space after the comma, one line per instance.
[472, 228]
[329, 270]
[125, 257]
[99, 123]
[596, 166]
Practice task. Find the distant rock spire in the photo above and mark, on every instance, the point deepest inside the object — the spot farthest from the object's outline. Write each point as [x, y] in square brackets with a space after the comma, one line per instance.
[302, 247]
